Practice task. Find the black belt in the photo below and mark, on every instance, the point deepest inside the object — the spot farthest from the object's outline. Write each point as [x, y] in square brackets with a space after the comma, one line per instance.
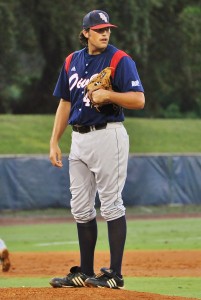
[85, 129]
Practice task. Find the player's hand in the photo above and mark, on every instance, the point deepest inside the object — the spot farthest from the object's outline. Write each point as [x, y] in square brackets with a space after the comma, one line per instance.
[101, 97]
[56, 156]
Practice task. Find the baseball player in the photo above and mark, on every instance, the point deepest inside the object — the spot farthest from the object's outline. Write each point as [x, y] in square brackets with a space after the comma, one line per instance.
[4, 256]
[99, 149]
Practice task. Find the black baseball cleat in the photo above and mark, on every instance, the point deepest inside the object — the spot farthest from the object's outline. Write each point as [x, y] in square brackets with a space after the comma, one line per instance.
[106, 279]
[74, 279]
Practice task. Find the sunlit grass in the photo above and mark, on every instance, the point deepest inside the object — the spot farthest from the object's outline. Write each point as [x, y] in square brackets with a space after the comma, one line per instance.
[30, 134]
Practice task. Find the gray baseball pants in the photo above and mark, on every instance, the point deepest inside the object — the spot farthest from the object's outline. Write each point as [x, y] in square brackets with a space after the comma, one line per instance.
[98, 162]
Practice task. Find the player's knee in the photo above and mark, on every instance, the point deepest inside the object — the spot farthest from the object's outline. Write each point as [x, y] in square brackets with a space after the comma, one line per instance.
[113, 214]
[83, 216]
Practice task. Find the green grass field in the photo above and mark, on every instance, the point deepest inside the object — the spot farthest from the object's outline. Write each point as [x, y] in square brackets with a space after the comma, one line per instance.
[142, 235]
[30, 134]
[158, 234]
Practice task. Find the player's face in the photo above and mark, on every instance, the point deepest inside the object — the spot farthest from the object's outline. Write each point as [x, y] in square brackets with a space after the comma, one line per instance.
[98, 39]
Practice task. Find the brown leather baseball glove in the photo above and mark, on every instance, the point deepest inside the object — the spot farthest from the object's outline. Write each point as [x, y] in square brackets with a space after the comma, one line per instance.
[100, 81]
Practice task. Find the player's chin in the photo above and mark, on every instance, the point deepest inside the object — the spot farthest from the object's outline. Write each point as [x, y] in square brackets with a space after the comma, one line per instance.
[103, 44]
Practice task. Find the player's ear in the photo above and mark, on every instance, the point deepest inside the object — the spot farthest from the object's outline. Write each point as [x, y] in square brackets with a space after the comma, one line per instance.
[85, 33]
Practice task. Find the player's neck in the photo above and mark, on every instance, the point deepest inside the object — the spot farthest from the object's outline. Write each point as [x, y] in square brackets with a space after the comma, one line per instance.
[95, 51]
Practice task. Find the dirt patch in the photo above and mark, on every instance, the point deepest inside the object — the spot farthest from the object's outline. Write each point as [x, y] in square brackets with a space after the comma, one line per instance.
[135, 263]
[79, 294]
[45, 219]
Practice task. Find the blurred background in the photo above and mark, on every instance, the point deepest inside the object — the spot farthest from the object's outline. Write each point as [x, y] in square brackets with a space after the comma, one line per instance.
[163, 37]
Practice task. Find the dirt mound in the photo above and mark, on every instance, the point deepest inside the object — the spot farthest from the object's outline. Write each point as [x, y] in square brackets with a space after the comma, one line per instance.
[78, 294]
[135, 263]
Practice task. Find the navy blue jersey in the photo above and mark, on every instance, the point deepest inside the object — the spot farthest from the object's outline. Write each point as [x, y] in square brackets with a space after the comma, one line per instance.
[70, 85]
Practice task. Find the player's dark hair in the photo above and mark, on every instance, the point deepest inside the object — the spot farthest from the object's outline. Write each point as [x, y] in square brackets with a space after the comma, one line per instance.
[83, 39]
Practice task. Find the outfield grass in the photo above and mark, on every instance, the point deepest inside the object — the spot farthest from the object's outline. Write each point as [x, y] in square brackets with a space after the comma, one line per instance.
[30, 134]
[172, 286]
[171, 234]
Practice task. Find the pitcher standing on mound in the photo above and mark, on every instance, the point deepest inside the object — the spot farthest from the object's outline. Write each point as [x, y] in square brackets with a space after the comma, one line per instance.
[99, 149]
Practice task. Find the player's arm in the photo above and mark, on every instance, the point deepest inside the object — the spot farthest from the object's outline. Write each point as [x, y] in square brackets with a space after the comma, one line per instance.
[129, 91]
[60, 124]
[129, 100]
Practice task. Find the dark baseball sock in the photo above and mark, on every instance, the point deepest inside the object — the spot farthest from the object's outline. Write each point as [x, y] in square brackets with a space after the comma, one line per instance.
[117, 238]
[87, 235]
